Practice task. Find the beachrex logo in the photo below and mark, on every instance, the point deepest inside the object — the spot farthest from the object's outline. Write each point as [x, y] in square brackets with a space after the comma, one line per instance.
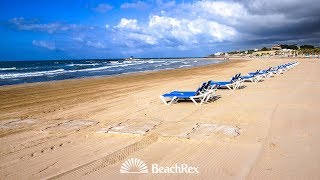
[135, 165]
[176, 169]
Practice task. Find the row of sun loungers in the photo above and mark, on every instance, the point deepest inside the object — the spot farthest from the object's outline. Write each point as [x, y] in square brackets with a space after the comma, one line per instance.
[207, 91]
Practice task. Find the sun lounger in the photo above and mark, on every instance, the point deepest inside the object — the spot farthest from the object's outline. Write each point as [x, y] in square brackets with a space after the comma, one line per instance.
[251, 78]
[233, 84]
[284, 67]
[203, 94]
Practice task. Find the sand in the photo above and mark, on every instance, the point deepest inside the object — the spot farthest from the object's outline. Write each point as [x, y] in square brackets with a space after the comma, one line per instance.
[86, 128]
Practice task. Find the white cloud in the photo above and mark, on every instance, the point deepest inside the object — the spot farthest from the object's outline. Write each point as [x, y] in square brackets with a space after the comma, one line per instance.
[165, 5]
[170, 31]
[130, 24]
[203, 22]
[78, 38]
[143, 37]
[246, 16]
[34, 25]
[102, 8]
[184, 25]
[95, 44]
[190, 26]
[136, 5]
[190, 30]
[221, 9]
[44, 44]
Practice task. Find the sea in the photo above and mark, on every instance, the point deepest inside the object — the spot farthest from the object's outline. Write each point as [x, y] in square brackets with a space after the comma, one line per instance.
[18, 72]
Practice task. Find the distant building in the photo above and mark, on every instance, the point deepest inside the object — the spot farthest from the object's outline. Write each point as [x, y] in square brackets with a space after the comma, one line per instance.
[217, 53]
[255, 50]
[276, 47]
[286, 50]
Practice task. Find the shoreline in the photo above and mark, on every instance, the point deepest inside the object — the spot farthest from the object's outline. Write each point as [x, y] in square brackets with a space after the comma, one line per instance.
[122, 74]
[86, 128]
[117, 75]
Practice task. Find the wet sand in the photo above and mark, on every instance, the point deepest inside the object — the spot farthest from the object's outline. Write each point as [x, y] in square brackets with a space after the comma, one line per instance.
[87, 128]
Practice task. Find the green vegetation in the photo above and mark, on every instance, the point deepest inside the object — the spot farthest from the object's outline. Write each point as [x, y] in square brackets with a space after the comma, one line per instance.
[250, 51]
[303, 50]
[294, 46]
[233, 52]
[309, 51]
[306, 47]
[265, 49]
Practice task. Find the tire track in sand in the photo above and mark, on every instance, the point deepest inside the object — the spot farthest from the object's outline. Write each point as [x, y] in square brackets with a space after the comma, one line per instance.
[108, 160]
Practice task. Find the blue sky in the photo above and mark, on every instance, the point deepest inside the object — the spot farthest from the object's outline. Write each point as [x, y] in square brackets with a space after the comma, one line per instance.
[78, 29]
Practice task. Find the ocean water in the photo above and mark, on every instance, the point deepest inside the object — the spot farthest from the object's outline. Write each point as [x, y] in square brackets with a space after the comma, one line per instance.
[17, 72]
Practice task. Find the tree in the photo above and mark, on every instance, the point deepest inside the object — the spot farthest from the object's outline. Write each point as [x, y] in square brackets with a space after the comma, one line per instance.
[294, 47]
[250, 51]
[285, 46]
[306, 47]
[264, 49]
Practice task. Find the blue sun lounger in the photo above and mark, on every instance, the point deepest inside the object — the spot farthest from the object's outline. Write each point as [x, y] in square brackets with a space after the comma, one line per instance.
[282, 68]
[267, 73]
[288, 66]
[278, 70]
[204, 93]
[261, 73]
[251, 78]
[233, 84]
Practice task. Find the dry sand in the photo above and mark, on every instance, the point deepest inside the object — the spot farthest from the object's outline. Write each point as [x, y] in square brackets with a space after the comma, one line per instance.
[87, 128]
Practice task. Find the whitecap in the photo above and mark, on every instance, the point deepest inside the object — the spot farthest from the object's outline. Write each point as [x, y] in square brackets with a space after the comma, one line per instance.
[6, 69]
[93, 64]
[31, 74]
[184, 66]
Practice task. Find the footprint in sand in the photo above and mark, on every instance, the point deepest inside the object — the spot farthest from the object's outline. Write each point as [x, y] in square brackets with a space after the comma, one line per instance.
[273, 145]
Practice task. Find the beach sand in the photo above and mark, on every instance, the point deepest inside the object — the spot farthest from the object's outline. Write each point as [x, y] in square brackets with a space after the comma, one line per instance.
[86, 128]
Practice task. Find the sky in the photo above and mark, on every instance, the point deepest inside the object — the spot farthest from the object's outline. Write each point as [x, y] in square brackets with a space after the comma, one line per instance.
[84, 29]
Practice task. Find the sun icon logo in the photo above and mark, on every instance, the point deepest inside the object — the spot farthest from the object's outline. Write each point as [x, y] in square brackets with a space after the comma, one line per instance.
[134, 165]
